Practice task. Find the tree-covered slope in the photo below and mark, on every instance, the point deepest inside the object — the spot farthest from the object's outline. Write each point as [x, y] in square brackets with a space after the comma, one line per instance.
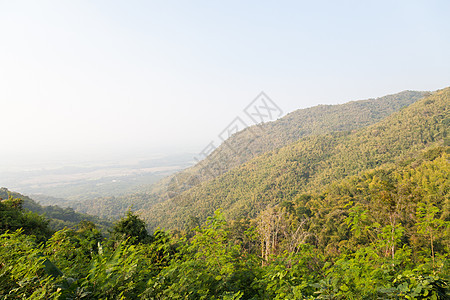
[250, 143]
[381, 234]
[310, 163]
[346, 226]
[58, 217]
[310, 121]
[256, 140]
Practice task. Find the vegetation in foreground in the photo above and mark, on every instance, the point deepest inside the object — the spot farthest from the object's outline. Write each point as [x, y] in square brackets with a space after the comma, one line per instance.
[382, 234]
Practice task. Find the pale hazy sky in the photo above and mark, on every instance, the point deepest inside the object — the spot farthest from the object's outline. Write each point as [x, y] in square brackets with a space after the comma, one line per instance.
[95, 79]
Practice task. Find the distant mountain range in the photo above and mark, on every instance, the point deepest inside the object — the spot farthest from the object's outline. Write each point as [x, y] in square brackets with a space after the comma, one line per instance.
[305, 150]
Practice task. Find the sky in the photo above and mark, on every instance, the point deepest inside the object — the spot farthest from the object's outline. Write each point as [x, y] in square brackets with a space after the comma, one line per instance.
[90, 80]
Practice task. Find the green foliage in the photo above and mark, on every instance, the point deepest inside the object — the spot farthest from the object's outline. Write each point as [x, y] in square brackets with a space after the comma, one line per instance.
[119, 275]
[428, 224]
[24, 272]
[207, 267]
[291, 275]
[13, 217]
[213, 264]
[58, 217]
[131, 230]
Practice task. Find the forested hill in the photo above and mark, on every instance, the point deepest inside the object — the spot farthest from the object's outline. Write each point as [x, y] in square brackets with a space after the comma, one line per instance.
[58, 217]
[345, 215]
[309, 164]
[259, 139]
[250, 143]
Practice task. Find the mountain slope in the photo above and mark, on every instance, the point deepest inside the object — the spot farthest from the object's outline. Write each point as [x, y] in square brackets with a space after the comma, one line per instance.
[310, 163]
[262, 138]
[58, 217]
[248, 144]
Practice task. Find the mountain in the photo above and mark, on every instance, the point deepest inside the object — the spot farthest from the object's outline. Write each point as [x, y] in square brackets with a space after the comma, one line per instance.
[58, 217]
[308, 164]
[363, 214]
[238, 149]
[259, 139]
[254, 141]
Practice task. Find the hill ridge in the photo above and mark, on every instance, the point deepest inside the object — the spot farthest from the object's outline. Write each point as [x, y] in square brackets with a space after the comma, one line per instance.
[312, 161]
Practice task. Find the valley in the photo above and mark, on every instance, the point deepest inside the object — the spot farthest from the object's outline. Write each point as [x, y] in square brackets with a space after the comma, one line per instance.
[353, 207]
